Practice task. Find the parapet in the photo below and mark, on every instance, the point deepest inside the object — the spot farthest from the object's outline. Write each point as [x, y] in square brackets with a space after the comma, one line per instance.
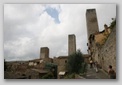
[91, 10]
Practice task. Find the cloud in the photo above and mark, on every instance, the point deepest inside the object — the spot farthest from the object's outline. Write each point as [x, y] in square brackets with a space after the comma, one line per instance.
[27, 27]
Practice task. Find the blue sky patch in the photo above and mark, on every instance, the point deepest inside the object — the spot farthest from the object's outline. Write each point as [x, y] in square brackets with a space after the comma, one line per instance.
[53, 13]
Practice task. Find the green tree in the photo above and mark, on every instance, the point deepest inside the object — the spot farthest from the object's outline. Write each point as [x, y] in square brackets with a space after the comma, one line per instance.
[53, 68]
[113, 23]
[75, 62]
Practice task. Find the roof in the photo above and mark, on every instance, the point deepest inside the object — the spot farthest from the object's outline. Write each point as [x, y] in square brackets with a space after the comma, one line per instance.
[35, 60]
[40, 71]
[62, 57]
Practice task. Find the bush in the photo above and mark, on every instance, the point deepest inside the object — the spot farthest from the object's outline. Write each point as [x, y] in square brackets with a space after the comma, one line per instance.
[113, 23]
[48, 76]
[84, 68]
[70, 76]
[74, 64]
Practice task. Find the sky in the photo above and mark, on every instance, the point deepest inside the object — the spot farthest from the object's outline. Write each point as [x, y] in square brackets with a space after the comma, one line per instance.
[28, 27]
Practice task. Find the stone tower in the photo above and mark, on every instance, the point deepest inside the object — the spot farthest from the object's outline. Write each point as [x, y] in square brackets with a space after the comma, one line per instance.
[44, 52]
[91, 21]
[71, 44]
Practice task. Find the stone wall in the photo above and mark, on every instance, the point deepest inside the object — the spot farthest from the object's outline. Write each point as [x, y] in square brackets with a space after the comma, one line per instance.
[99, 38]
[107, 53]
[61, 61]
[91, 21]
[44, 52]
[86, 58]
[71, 44]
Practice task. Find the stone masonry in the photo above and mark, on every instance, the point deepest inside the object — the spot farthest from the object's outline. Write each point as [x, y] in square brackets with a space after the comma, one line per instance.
[102, 45]
[44, 52]
[71, 44]
[92, 23]
[108, 51]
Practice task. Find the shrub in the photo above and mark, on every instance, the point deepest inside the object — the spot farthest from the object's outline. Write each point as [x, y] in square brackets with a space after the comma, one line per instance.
[75, 61]
[48, 76]
[70, 76]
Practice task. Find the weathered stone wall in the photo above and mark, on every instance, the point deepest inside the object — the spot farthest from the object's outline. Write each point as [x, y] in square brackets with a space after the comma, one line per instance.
[86, 58]
[44, 52]
[22, 69]
[71, 44]
[48, 60]
[107, 53]
[91, 20]
[61, 62]
[99, 38]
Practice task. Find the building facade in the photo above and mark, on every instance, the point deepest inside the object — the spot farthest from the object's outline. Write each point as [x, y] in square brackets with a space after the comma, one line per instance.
[92, 22]
[44, 52]
[71, 44]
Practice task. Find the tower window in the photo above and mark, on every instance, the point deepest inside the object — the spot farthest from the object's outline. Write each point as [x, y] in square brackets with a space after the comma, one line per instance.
[65, 61]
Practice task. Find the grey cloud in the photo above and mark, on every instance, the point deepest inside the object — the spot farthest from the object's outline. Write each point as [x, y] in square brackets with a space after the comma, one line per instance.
[33, 28]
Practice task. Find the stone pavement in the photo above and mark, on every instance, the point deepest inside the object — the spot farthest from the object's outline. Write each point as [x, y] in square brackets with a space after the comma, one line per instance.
[91, 74]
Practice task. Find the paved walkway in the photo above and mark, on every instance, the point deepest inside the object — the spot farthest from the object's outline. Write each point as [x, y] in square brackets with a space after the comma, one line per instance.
[91, 74]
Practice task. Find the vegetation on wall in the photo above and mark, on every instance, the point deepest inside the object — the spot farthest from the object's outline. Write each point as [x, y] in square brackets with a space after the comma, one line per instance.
[113, 23]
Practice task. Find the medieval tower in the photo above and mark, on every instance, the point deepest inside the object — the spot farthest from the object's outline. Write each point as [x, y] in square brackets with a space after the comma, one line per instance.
[91, 21]
[44, 52]
[71, 44]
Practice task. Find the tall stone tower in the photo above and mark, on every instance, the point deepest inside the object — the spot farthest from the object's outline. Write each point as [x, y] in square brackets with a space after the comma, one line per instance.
[44, 52]
[71, 44]
[92, 23]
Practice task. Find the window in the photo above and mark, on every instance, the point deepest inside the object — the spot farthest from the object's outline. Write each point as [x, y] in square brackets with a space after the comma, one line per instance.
[65, 61]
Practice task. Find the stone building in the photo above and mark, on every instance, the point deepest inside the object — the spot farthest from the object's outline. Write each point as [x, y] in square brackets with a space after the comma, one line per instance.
[96, 41]
[61, 62]
[92, 23]
[101, 45]
[36, 63]
[44, 52]
[92, 26]
[86, 58]
[71, 44]
[107, 53]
